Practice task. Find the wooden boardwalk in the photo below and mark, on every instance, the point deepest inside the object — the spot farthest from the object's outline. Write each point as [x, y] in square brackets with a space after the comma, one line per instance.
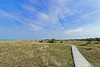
[79, 60]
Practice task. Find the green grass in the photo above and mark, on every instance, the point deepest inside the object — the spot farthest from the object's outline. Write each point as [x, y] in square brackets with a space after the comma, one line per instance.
[91, 52]
[34, 54]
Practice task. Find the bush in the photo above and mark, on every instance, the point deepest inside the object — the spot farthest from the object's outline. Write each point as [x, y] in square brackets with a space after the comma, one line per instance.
[41, 41]
[88, 43]
[83, 44]
[88, 48]
[61, 41]
[51, 41]
[96, 43]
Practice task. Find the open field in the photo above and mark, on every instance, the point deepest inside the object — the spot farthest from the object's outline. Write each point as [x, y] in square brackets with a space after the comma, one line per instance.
[35, 54]
[91, 51]
[32, 53]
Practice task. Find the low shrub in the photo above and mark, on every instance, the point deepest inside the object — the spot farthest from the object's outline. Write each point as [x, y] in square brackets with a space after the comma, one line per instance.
[88, 48]
[88, 43]
[61, 41]
[41, 41]
[96, 43]
[83, 45]
[51, 41]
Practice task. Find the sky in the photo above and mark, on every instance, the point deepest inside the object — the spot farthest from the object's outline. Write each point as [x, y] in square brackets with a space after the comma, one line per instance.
[46, 19]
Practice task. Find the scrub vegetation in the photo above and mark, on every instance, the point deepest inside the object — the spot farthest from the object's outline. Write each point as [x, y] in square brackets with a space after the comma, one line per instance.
[34, 53]
[47, 53]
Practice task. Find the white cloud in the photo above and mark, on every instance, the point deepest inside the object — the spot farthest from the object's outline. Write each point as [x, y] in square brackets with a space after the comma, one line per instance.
[10, 16]
[35, 27]
[86, 31]
[29, 8]
[91, 13]
[59, 9]
[56, 10]
[73, 31]
[44, 16]
[85, 16]
[21, 19]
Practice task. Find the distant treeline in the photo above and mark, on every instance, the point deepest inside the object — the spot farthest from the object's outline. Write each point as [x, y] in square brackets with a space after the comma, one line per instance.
[61, 41]
[87, 39]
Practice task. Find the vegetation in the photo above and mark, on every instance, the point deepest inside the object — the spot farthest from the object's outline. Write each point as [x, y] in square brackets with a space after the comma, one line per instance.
[85, 44]
[40, 41]
[51, 41]
[46, 53]
[61, 41]
[90, 51]
[88, 39]
[34, 54]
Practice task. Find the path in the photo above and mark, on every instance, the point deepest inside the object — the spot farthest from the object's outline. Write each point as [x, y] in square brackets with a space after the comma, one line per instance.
[79, 60]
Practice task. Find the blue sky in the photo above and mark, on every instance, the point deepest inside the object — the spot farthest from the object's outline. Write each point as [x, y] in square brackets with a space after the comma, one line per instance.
[43, 19]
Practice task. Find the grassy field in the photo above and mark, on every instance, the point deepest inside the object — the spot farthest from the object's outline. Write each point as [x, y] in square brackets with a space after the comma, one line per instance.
[91, 51]
[34, 54]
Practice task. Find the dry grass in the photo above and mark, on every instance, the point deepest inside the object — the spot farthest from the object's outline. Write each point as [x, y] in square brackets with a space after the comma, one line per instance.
[91, 52]
[33, 54]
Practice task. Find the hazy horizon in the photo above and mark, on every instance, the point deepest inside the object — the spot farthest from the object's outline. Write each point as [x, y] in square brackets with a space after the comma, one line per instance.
[46, 19]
